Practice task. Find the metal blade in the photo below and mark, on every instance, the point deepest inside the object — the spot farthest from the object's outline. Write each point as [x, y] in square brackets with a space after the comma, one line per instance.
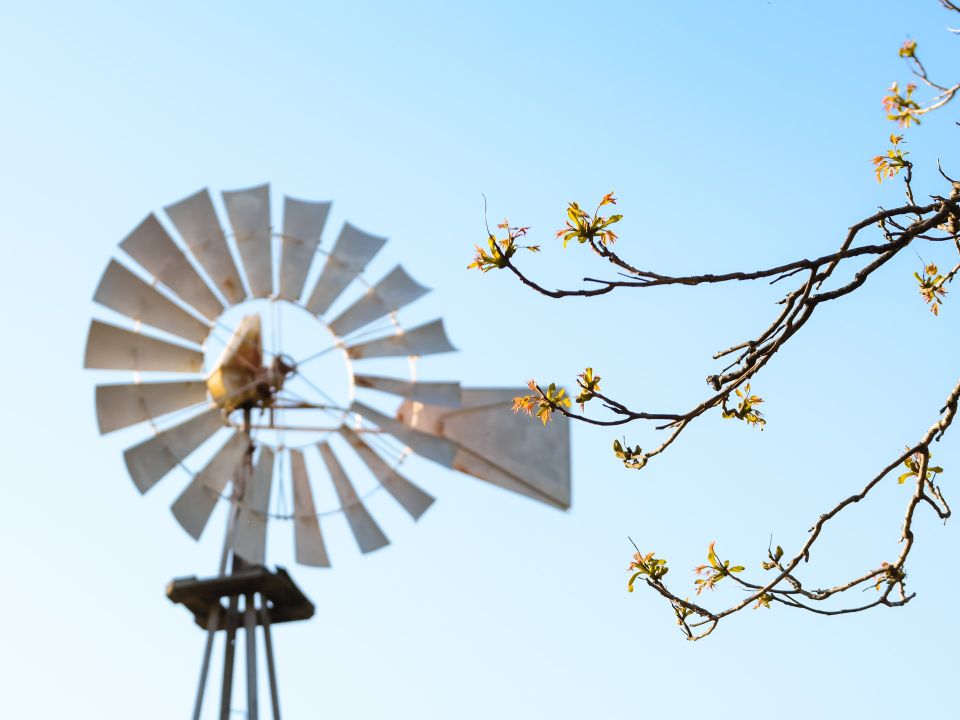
[152, 459]
[197, 223]
[446, 394]
[112, 348]
[500, 447]
[429, 339]
[121, 290]
[120, 406]
[250, 533]
[368, 534]
[438, 449]
[308, 540]
[249, 214]
[151, 246]
[414, 500]
[303, 222]
[195, 504]
[351, 253]
[394, 291]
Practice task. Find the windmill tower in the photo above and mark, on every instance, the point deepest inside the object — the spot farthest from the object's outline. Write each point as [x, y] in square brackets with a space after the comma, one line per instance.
[246, 420]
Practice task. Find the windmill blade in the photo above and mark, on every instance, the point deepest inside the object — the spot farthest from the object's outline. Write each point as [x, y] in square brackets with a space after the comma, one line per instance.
[351, 253]
[152, 459]
[250, 533]
[307, 538]
[303, 223]
[428, 339]
[151, 246]
[112, 348]
[446, 394]
[414, 500]
[120, 406]
[249, 214]
[195, 504]
[368, 534]
[121, 290]
[198, 225]
[395, 290]
[438, 449]
[500, 447]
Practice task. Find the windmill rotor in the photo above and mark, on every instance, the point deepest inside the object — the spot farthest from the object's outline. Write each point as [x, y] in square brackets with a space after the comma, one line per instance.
[191, 304]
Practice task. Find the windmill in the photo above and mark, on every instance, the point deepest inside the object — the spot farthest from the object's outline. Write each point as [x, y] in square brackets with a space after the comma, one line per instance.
[219, 397]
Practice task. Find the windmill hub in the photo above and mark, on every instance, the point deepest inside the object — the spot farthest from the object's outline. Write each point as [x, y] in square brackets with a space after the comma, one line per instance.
[284, 365]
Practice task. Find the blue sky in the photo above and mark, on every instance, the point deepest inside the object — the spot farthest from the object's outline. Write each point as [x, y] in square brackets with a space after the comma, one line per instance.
[735, 134]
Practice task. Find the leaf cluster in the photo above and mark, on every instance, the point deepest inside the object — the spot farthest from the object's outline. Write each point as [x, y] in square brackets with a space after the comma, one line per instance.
[912, 463]
[887, 166]
[774, 561]
[902, 108]
[714, 571]
[543, 404]
[746, 409]
[586, 228]
[891, 575]
[632, 458]
[589, 386]
[500, 250]
[653, 567]
[931, 287]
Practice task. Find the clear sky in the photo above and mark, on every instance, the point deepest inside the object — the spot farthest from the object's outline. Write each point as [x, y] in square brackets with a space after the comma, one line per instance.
[736, 135]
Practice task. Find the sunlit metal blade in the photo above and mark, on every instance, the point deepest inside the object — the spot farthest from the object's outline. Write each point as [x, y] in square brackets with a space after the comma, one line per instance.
[414, 500]
[198, 225]
[350, 255]
[121, 290]
[152, 459]
[250, 533]
[368, 534]
[429, 339]
[120, 406]
[112, 348]
[446, 394]
[308, 540]
[303, 222]
[394, 291]
[151, 246]
[249, 214]
[195, 504]
[438, 449]
[497, 446]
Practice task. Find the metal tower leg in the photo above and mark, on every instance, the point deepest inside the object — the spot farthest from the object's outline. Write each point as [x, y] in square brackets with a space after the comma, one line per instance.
[271, 671]
[213, 619]
[227, 690]
[250, 633]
